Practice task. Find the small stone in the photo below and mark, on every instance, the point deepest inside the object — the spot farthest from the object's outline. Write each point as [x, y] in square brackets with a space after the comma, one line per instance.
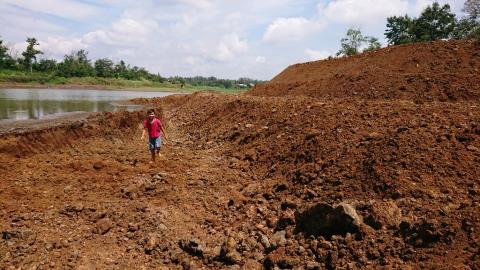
[325, 245]
[151, 242]
[472, 148]
[311, 265]
[49, 246]
[278, 239]
[252, 265]
[193, 247]
[103, 226]
[98, 165]
[162, 227]
[132, 227]
[233, 257]
[264, 240]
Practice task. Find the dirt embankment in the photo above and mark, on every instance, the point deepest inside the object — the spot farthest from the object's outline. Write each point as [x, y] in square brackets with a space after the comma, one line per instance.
[250, 182]
[441, 71]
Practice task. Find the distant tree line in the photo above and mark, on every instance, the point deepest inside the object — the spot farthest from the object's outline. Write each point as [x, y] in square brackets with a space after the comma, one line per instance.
[436, 22]
[77, 64]
[215, 82]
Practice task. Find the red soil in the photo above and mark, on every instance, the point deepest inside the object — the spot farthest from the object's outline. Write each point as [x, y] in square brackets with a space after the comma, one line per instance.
[441, 71]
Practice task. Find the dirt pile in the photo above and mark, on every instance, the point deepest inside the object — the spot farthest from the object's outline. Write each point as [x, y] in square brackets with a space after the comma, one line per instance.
[442, 71]
[409, 171]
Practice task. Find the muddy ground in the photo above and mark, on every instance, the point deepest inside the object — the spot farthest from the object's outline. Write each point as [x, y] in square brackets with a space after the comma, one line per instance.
[248, 182]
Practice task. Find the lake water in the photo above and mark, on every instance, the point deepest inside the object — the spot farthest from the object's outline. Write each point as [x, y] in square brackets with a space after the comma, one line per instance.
[22, 104]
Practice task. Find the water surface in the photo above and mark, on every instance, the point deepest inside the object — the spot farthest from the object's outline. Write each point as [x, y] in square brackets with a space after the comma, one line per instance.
[22, 104]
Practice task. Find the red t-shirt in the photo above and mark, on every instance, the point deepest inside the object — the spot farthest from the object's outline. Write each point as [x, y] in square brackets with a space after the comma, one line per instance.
[153, 127]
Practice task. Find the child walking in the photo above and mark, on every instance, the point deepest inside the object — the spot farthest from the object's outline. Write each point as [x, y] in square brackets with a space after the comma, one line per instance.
[155, 130]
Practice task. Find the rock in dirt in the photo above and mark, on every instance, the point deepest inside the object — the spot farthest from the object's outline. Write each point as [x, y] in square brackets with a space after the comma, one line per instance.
[151, 242]
[252, 265]
[384, 214]
[327, 220]
[263, 239]
[233, 257]
[193, 247]
[279, 258]
[98, 165]
[278, 239]
[103, 226]
[286, 219]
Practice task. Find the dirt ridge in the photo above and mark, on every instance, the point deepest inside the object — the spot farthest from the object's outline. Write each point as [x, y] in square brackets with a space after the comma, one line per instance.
[438, 71]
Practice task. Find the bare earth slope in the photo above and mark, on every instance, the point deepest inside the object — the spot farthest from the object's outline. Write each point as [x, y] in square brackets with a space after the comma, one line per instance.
[251, 182]
[443, 71]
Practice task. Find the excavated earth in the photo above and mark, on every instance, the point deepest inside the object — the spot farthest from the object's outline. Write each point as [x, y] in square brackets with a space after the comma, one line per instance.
[328, 174]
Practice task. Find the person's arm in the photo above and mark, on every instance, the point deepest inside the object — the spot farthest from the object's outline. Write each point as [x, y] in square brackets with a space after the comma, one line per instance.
[163, 131]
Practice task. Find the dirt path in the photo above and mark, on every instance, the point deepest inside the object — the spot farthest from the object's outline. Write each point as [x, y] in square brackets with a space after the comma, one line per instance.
[99, 204]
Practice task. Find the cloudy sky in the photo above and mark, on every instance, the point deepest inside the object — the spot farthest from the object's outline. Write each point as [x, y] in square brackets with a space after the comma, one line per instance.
[222, 38]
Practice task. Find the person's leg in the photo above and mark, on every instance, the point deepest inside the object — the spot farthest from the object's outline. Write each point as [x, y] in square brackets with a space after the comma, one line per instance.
[151, 146]
[158, 145]
[153, 155]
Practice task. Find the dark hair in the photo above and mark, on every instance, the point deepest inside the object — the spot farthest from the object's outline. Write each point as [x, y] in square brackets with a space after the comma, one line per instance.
[149, 111]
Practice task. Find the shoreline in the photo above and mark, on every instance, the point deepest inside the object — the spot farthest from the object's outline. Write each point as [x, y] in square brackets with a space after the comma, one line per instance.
[4, 85]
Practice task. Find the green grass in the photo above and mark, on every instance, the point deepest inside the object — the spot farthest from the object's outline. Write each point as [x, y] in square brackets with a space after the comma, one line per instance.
[39, 79]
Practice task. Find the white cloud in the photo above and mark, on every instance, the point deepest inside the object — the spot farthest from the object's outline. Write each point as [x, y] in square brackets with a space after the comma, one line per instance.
[317, 55]
[22, 22]
[362, 12]
[69, 9]
[229, 46]
[260, 59]
[291, 29]
[123, 32]
[59, 46]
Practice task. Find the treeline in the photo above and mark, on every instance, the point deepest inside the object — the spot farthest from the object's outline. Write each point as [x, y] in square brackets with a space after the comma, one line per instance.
[77, 65]
[436, 22]
[215, 82]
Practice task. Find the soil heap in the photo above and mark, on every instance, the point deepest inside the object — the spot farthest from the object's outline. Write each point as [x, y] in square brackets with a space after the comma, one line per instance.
[442, 71]
[306, 180]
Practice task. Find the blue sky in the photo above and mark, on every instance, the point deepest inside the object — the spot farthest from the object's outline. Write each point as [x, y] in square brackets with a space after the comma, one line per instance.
[226, 39]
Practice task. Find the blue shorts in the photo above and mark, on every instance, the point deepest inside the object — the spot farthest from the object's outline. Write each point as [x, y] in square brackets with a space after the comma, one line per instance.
[154, 143]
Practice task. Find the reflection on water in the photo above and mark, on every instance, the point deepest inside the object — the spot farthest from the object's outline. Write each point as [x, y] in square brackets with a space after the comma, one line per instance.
[22, 104]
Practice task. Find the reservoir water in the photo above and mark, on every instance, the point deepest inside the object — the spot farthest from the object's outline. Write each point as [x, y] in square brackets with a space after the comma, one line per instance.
[22, 104]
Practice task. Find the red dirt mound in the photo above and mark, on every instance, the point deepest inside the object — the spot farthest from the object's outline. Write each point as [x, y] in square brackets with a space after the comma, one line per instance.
[442, 71]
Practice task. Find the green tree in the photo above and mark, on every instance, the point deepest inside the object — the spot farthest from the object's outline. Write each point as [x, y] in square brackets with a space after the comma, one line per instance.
[120, 69]
[399, 30]
[472, 8]
[30, 53]
[372, 44]
[46, 65]
[434, 23]
[76, 65]
[104, 68]
[469, 26]
[4, 56]
[351, 44]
